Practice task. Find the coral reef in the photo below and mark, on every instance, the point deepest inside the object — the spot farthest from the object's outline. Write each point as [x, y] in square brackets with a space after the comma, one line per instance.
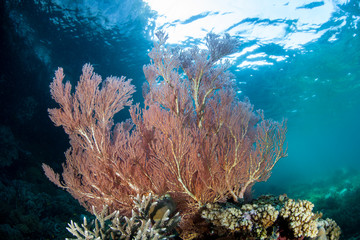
[194, 139]
[251, 218]
[141, 225]
[336, 195]
[328, 229]
[302, 221]
[269, 217]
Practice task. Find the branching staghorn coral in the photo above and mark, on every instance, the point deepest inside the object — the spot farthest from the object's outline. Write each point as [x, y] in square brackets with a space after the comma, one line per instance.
[139, 226]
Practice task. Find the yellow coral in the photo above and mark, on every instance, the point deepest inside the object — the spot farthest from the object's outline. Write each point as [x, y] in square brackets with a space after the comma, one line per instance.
[252, 218]
[255, 220]
[268, 215]
[302, 221]
[225, 217]
[333, 231]
[330, 229]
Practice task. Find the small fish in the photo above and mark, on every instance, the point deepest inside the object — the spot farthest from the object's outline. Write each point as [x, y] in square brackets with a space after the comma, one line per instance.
[158, 209]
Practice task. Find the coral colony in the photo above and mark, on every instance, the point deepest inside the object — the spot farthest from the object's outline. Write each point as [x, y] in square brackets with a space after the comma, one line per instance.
[184, 165]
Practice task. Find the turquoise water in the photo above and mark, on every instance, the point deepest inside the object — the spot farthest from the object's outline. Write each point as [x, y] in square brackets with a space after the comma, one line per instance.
[298, 60]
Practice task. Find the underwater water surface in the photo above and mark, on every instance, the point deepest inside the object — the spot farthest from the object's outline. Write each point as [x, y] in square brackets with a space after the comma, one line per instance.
[298, 60]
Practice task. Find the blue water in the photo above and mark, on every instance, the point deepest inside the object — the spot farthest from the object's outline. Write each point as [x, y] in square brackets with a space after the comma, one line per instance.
[298, 60]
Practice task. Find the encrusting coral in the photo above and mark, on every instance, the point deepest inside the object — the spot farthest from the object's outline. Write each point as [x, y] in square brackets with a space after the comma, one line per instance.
[303, 222]
[269, 217]
[250, 218]
[328, 229]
